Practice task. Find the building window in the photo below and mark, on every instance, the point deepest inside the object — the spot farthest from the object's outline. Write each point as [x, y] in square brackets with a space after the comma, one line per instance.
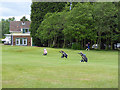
[23, 23]
[25, 30]
[21, 41]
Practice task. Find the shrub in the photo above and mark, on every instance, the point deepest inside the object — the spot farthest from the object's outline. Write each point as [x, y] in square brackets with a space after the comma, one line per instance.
[76, 46]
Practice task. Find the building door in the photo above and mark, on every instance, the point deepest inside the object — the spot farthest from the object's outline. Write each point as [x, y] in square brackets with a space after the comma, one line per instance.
[24, 41]
[17, 41]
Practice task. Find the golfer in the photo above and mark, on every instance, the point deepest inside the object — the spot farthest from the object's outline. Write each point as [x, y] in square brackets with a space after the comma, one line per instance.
[45, 52]
[84, 58]
[88, 46]
[63, 54]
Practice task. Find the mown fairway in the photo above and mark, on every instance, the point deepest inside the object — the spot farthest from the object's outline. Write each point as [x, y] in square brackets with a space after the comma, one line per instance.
[26, 67]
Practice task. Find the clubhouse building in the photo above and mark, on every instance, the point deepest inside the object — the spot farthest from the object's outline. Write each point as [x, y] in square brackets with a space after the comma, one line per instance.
[19, 34]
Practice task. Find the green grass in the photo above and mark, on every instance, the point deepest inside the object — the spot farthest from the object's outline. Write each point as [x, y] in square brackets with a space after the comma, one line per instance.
[26, 67]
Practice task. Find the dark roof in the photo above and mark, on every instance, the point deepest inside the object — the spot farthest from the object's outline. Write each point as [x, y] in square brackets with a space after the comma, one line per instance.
[17, 25]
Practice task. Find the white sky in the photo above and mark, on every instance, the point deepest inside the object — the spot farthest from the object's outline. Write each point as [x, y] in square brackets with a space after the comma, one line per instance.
[15, 8]
[15, 0]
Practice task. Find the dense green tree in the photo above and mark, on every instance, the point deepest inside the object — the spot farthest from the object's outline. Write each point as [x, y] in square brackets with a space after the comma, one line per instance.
[24, 19]
[80, 24]
[0, 30]
[38, 11]
[5, 25]
[51, 28]
[105, 15]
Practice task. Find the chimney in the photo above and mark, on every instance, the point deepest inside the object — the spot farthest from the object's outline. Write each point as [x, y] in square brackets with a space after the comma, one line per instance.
[23, 21]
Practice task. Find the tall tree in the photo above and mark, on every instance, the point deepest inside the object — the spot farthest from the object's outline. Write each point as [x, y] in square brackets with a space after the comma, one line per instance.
[0, 29]
[80, 24]
[5, 25]
[38, 11]
[105, 15]
[51, 28]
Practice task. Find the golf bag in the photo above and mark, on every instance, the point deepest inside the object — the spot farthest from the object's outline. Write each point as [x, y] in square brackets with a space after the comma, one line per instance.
[84, 58]
[63, 54]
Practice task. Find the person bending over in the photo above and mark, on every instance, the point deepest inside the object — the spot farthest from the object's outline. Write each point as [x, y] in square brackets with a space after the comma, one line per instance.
[45, 52]
[63, 54]
[84, 58]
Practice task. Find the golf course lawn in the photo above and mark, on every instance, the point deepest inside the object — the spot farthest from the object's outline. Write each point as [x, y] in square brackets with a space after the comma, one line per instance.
[26, 67]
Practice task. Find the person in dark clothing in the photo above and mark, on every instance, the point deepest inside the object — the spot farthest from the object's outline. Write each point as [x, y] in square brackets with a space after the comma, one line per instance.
[84, 58]
[63, 54]
[88, 46]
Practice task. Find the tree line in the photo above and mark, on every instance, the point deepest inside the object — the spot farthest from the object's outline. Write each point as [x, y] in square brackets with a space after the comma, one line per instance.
[56, 25]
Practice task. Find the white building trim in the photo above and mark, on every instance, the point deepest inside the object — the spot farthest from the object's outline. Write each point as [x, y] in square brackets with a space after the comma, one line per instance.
[31, 41]
[26, 34]
[7, 34]
[14, 31]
